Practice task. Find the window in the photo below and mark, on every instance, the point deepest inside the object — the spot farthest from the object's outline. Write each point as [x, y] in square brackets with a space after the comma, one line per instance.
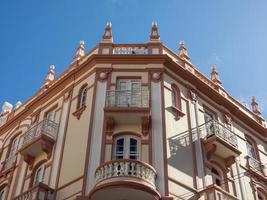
[126, 147]
[51, 116]
[39, 175]
[176, 97]
[82, 97]
[14, 147]
[2, 194]
[251, 150]
[128, 92]
[216, 177]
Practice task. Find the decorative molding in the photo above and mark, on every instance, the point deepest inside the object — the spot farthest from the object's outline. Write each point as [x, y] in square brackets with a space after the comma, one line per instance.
[109, 125]
[145, 121]
[229, 161]
[227, 119]
[79, 112]
[192, 95]
[176, 112]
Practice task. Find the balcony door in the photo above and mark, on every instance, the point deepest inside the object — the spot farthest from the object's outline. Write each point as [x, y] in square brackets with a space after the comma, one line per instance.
[128, 92]
[126, 147]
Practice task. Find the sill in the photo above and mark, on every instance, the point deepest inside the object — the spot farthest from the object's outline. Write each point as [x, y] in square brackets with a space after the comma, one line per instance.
[79, 112]
[176, 112]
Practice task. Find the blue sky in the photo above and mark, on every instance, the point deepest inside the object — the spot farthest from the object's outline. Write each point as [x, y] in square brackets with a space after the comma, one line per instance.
[232, 35]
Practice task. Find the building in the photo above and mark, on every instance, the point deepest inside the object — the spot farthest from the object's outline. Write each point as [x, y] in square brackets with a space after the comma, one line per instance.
[130, 122]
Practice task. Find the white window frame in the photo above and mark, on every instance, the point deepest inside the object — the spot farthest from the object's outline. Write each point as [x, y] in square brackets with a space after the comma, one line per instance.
[250, 149]
[83, 97]
[126, 147]
[14, 147]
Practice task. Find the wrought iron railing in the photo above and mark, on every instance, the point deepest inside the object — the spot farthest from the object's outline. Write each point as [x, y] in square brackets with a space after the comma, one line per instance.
[130, 50]
[215, 128]
[38, 192]
[256, 166]
[10, 162]
[214, 192]
[127, 98]
[45, 127]
[129, 168]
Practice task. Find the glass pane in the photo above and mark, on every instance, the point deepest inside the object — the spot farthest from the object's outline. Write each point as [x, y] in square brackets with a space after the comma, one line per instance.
[133, 149]
[251, 150]
[119, 149]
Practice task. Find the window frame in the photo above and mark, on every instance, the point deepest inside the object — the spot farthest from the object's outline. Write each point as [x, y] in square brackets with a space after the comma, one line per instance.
[82, 96]
[176, 97]
[40, 166]
[126, 147]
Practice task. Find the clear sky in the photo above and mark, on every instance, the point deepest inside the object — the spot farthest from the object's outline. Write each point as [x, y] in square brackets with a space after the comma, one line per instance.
[230, 34]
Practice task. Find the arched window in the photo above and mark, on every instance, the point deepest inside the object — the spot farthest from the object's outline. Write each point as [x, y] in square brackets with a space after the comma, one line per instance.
[176, 97]
[14, 147]
[38, 174]
[126, 147]
[82, 97]
[216, 177]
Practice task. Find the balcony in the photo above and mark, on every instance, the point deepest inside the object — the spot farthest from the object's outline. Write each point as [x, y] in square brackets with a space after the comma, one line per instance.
[119, 103]
[214, 192]
[38, 192]
[125, 179]
[256, 168]
[220, 140]
[40, 138]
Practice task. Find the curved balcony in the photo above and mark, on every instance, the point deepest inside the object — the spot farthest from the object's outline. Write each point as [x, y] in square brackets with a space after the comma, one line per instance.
[214, 192]
[40, 138]
[125, 179]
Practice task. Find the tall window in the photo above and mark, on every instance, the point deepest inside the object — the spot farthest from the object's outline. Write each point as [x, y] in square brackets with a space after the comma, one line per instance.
[176, 97]
[2, 194]
[39, 175]
[126, 147]
[82, 96]
[14, 147]
[216, 177]
[251, 150]
[51, 116]
[128, 92]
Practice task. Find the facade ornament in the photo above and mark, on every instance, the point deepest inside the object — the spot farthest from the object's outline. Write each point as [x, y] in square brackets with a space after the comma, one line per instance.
[192, 95]
[215, 76]
[109, 125]
[156, 76]
[102, 75]
[18, 104]
[255, 107]
[154, 36]
[79, 52]
[107, 37]
[145, 121]
[227, 119]
[183, 54]
[50, 76]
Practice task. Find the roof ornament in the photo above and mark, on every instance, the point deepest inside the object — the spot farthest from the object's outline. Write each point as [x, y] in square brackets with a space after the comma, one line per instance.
[154, 36]
[7, 107]
[255, 107]
[215, 76]
[79, 52]
[50, 76]
[183, 51]
[107, 37]
[18, 104]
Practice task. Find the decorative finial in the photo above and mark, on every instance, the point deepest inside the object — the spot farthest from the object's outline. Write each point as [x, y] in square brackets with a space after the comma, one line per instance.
[255, 106]
[7, 107]
[79, 52]
[18, 104]
[215, 76]
[107, 37]
[154, 36]
[183, 51]
[50, 75]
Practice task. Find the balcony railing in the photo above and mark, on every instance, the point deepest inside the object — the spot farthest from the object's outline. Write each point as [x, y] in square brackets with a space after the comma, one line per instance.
[215, 128]
[45, 127]
[38, 192]
[9, 162]
[256, 166]
[214, 192]
[127, 98]
[130, 50]
[129, 168]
